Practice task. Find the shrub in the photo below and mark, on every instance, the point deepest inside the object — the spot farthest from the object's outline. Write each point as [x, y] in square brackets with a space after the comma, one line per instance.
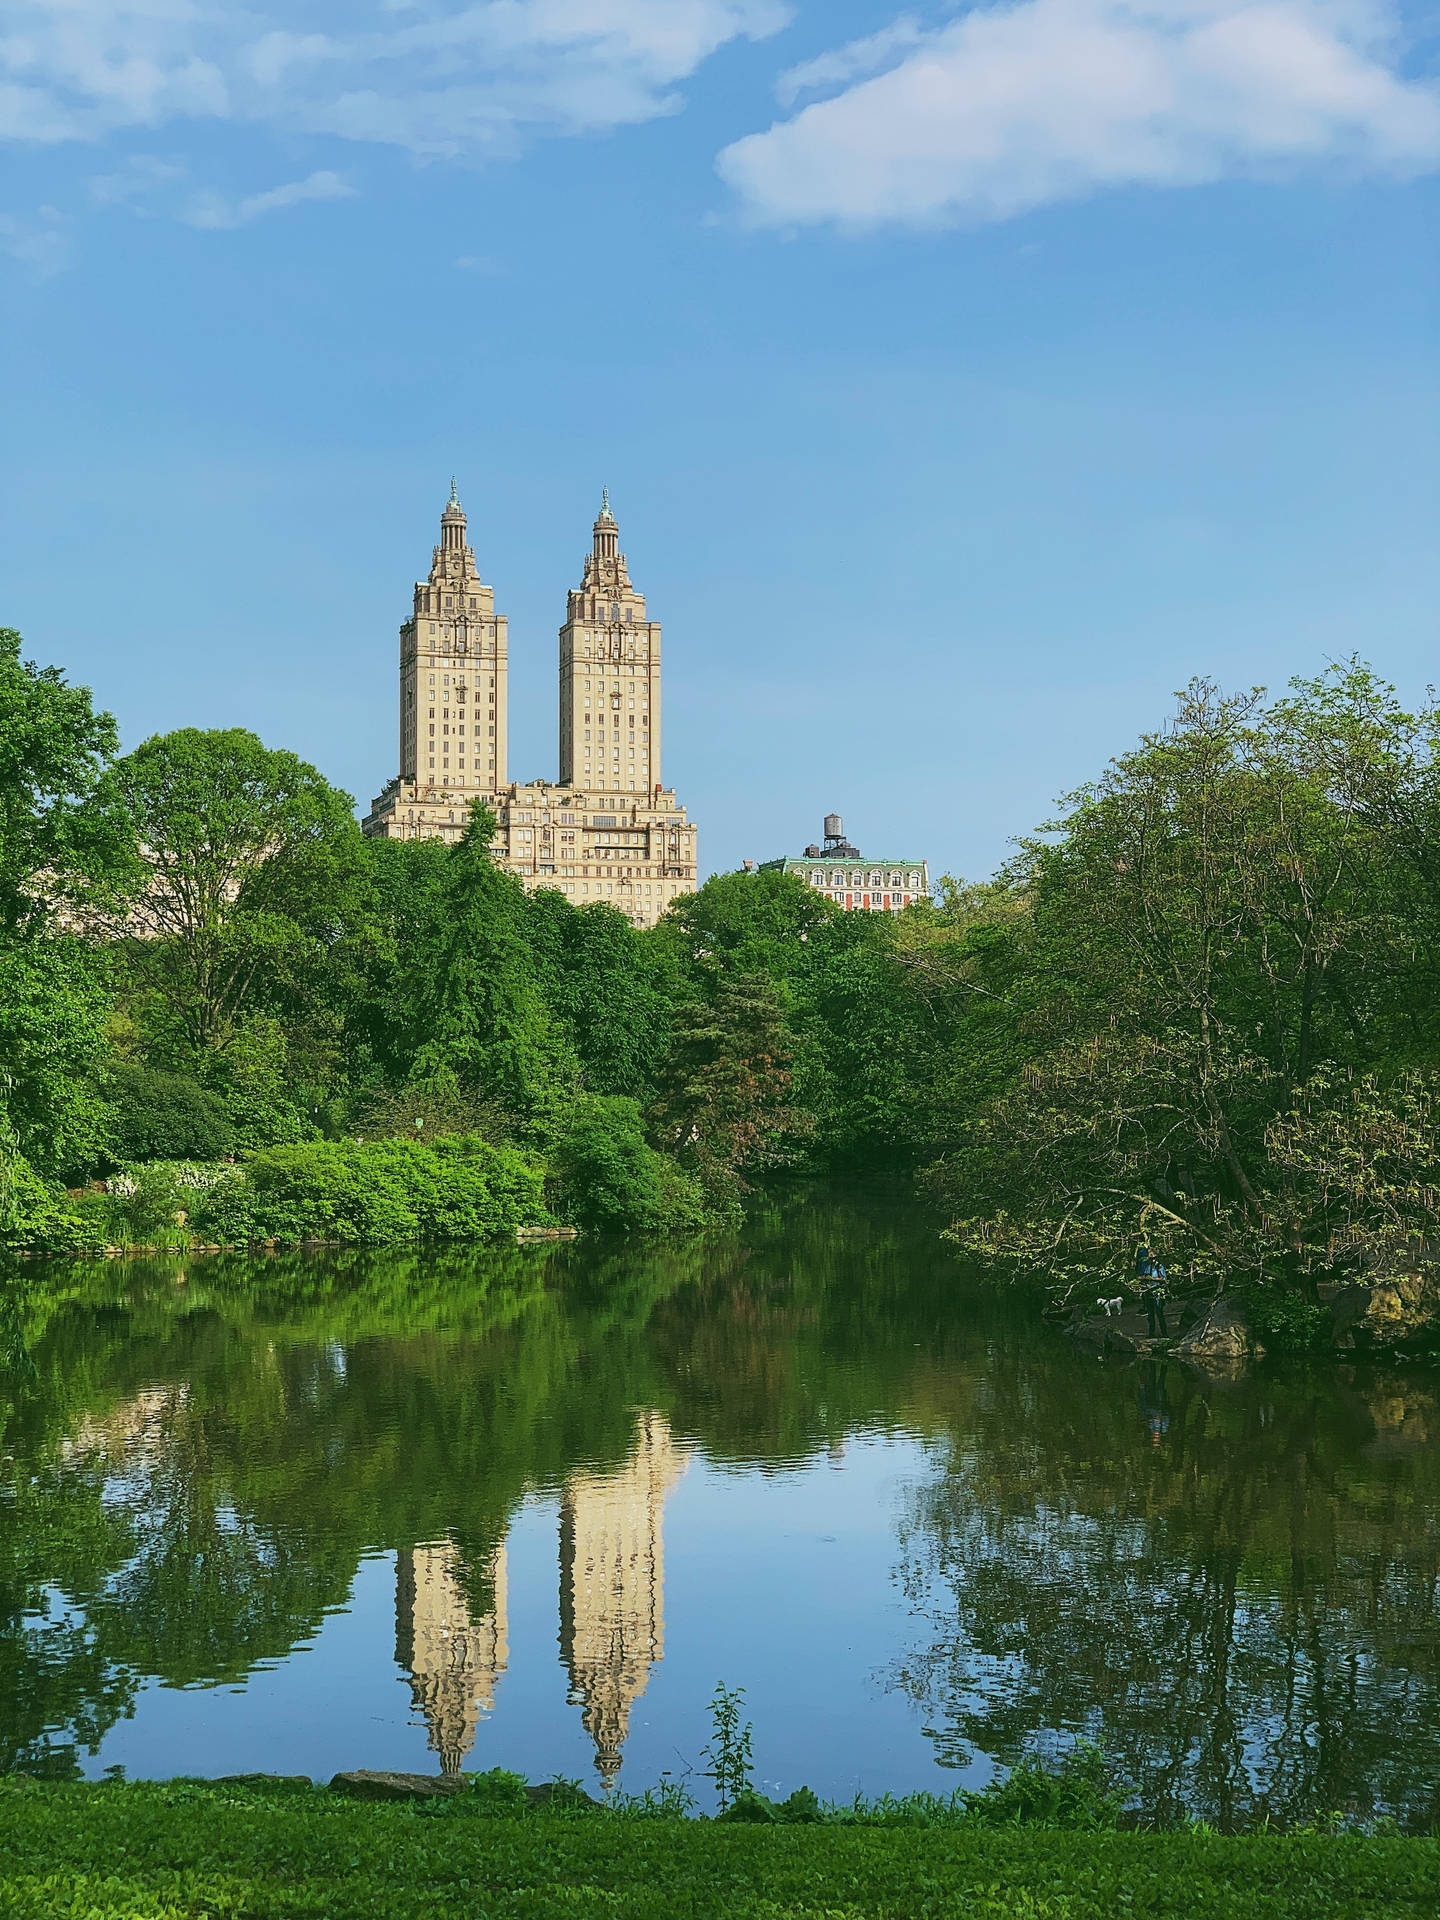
[376, 1194]
[612, 1181]
[166, 1116]
[40, 1217]
[1076, 1793]
[1284, 1323]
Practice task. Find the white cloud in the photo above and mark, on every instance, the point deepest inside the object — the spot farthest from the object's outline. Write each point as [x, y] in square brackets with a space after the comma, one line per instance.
[210, 209]
[437, 76]
[39, 242]
[843, 64]
[135, 184]
[1014, 107]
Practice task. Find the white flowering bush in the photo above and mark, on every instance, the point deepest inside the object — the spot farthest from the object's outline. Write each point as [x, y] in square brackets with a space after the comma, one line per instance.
[198, 1176]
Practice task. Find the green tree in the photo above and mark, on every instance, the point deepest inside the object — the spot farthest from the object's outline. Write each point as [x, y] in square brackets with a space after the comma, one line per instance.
[1214, 951]
[66, 849]
[607, 986]
[723, 1103]
[256, 877]
[479, 1017]
[63, 840]
[166, 1116]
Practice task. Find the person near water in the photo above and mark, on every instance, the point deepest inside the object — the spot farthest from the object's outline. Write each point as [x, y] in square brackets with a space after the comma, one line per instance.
[1151, 1276]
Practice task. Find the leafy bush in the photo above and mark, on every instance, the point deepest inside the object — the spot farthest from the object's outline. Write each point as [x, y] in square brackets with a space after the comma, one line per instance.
[37, 1216]
[166, 1116]
[376, 1194]
[1076, 1793]
[1284, 1323]
[612, 1181]
[154, 1205]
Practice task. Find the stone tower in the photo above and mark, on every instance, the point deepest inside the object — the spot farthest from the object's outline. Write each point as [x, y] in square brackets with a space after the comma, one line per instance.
[612, 1585]
[609, 675]
[454, 653]
[453, 1656]
[606, 830]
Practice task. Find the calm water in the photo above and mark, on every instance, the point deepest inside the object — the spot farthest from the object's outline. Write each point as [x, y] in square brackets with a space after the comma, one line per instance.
[525, 1508]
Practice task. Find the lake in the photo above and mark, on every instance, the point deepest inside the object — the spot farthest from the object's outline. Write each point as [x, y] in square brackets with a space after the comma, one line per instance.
[526, 1507]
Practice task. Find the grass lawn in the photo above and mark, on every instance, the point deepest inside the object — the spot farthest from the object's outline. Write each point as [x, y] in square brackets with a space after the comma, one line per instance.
[181, 1849]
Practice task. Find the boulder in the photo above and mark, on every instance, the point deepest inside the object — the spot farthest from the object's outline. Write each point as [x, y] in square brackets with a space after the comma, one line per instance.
[1384, 1313]
[560, 1793]
[364, 1785]
[1221, 1334]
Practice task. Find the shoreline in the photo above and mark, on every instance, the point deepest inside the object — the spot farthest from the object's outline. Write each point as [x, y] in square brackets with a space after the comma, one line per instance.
[181, 1849]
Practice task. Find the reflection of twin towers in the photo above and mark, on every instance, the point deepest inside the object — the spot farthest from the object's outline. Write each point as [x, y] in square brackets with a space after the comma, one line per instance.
[612, 1624]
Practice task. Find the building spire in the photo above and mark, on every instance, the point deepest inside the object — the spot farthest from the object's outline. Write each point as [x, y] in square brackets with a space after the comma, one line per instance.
[607, 534]
[452, 523]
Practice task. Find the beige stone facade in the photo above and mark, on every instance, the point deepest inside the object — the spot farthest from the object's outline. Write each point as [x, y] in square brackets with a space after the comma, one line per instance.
[607, 829]
[454, 1656]
[612, 1584]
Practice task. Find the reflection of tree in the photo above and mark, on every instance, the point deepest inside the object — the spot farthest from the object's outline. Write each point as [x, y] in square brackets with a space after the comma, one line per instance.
[60, 1688]
[1243, 1606]
[1234, 1584]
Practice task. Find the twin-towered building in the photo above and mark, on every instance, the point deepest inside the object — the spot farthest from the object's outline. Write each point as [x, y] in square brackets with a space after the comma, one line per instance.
[607, 829]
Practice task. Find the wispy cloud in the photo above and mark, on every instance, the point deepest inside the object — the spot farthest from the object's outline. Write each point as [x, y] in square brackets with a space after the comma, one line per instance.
[38, 242]
[137, 183]
[1014, 107]
[210, 209]
[446, 76]
[851, 62]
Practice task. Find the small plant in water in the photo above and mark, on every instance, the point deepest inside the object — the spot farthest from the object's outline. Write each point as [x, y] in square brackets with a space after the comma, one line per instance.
[731, 1760]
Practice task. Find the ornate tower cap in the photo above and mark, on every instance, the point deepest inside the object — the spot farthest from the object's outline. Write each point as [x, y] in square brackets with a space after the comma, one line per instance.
[452, 505]
[605, 516]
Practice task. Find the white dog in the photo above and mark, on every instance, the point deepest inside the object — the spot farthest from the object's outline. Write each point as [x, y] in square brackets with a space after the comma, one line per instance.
[1112, 1307]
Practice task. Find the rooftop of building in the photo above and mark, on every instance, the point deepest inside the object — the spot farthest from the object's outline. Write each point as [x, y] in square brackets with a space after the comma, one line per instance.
[788, 860]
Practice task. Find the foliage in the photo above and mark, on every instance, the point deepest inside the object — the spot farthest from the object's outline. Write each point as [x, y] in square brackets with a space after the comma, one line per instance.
[108, 1852]
[255, 876]
[732, 1763]
[722, 1102]
[1075, 1794]
[165, 1116]
[384, 1192]
[611, 1180]
[1228, 1045]
[62, 842]
[608, 989]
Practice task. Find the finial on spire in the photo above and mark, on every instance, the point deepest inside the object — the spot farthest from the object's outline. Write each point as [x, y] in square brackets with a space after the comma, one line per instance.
[454, 500]
[604, 499]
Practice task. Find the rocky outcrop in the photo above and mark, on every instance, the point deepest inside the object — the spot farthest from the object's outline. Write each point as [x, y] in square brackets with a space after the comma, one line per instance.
[1377, 1315]
[363, 1785]
[1221, 1335]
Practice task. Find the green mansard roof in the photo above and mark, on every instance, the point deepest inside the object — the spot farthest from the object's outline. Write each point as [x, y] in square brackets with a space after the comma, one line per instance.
[788, 862]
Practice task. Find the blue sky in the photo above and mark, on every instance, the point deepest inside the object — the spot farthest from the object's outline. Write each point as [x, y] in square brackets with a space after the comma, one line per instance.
[965, 380]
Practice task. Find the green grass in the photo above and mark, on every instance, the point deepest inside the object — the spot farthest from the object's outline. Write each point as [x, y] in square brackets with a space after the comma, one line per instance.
[182, 1850]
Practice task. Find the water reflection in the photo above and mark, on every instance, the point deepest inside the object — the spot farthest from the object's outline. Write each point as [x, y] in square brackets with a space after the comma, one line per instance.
[1233, 1582]
[612, 1580]
[453, 1644]
[453, 1652]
